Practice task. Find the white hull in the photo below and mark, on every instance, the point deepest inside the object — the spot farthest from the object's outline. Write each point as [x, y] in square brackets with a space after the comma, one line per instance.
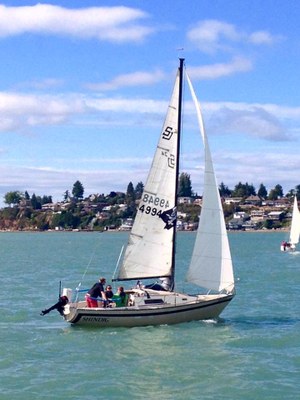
[175, 309]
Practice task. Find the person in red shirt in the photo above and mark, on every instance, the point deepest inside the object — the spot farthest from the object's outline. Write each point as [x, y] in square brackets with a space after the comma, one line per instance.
[96, 291]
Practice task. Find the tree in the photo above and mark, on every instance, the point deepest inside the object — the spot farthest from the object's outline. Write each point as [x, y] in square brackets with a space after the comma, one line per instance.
[276, 193]
[185, 185]
[224, 191]
[36, 202]
[294, 192]
[238, 190]
[297, 189]
[262, 191]
[65, 220]
[279, 190]
[46, 199]
[130, 194]
[139, 190]
[66, 195]
[250, 189]
[13, 198]
[243, 190]
[272, 195]
[268, 224]
[78, 190]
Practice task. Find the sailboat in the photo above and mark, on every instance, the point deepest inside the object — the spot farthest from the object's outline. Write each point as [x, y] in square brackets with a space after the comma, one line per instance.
[290, 245]
[150, 252]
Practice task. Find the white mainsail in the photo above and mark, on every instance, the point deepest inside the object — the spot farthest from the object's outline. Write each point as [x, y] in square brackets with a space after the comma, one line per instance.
[211, 264]
[295, 226]
[149, 250]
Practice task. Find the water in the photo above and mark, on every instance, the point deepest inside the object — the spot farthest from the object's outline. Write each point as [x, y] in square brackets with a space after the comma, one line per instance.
[252, 353]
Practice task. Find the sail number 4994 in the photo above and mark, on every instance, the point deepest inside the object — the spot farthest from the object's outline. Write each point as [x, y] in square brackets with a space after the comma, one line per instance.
[150, 210]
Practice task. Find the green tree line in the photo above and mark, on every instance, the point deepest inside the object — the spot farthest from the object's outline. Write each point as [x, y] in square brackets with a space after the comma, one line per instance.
[26, 211]
[133, 193]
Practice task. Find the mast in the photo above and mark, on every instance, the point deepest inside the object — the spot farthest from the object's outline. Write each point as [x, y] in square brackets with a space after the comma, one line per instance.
[181, 61]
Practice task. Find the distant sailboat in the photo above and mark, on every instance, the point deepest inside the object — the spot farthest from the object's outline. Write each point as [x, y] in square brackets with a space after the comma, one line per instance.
[150, 252]
[294, 231]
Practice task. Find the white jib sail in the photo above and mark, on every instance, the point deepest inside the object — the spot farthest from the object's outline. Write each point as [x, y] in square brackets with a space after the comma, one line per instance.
[211, 264]
[295, 226]
[149, 250]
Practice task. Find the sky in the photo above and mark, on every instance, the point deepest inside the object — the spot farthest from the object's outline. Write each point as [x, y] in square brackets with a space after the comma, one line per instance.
[84, 88]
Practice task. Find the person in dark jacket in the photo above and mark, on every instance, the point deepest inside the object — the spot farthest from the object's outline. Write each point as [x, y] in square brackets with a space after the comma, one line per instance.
[59, 306]
[108, 291]
[96, 291]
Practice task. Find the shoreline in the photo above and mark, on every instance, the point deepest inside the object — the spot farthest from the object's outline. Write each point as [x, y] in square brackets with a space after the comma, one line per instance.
[286, 230]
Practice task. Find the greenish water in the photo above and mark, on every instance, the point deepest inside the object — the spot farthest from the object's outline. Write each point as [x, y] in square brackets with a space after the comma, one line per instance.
[252, 353]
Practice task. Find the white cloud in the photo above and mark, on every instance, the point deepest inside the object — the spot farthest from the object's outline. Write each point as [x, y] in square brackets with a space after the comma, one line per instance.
[138, 78]
[237, 64]
[255, 122]
[263, 37]
[281, 111]
[54, 182]
[211, 36]
[259, 166]
[113, 24]
[19, 112]
[121, 105]
[43, 84]
[231, 167]
[207, 35]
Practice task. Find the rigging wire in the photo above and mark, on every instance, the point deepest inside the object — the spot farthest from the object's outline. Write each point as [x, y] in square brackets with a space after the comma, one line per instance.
[87, 268]
[118, 262]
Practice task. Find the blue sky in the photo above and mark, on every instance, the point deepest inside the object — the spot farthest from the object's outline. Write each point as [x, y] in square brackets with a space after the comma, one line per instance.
[84, 87]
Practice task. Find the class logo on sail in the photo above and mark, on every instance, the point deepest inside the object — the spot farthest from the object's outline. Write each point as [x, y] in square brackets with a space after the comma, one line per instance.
[167, 133]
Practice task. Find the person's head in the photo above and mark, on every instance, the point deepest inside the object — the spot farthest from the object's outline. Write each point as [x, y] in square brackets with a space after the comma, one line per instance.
[102, 280]
[108, 287]
[121, 289]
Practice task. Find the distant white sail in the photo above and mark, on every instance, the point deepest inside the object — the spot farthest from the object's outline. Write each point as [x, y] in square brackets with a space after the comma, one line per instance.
[295, 226]
[211, 264]
[149, 250]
